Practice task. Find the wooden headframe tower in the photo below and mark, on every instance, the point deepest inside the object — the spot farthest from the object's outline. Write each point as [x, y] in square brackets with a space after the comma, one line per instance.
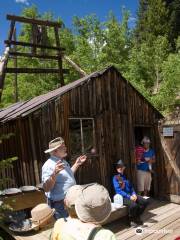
[38, 41]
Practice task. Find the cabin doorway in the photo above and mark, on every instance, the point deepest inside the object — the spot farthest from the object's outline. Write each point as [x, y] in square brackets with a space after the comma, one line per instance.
[139, 133]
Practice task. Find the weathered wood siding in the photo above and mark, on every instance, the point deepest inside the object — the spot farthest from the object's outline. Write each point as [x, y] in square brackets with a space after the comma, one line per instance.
[116, 108]
[173, 148]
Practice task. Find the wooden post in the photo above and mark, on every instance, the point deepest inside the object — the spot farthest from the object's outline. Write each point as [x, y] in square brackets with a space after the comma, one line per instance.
[15, 74]
[59, 55]
[34, 38]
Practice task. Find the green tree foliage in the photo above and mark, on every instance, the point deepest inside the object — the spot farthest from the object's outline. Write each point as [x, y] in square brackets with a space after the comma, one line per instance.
[144, 55]
[174, 20]
[152, 21]
[5, 164]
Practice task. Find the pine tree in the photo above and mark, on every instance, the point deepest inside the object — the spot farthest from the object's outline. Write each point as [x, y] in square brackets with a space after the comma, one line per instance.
[152, 21]
[174, 20]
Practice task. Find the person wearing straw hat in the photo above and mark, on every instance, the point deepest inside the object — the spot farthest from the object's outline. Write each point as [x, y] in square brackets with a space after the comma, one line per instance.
[58, 176]
[136, 204]
[92, 205]
[145, 156]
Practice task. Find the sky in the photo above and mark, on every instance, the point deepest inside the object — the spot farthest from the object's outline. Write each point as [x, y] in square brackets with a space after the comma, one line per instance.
[65, 9]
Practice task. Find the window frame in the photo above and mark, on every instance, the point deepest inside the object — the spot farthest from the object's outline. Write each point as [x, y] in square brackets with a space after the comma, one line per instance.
[81, 131]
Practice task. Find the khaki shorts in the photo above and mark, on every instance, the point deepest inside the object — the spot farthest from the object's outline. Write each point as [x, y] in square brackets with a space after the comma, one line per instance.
[143, 181]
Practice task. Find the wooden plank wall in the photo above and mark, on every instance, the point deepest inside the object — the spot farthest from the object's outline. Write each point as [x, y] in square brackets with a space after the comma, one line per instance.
[173, 147]
[116, 108]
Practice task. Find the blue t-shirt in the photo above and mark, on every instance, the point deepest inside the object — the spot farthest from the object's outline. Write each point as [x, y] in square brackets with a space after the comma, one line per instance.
[144, 165]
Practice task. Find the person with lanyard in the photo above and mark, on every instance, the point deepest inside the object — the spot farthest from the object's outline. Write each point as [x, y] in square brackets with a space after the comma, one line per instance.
[136, 204]
[145, 157]
[58, 176]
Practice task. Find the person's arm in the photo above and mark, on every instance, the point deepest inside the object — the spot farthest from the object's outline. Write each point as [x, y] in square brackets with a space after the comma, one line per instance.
[118, 189]
[49, 176]
[49, 183]
[79, 161]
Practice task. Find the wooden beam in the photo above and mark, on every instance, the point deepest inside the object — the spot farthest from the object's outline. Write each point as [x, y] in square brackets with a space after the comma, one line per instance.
[25, 44]
[34, 70]
[33, 21]
[15, 83]
[59, 54]
[12, 25]
[75, 66]
[30, 55]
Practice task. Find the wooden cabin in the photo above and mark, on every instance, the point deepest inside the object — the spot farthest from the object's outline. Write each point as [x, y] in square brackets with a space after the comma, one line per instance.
[101, 115]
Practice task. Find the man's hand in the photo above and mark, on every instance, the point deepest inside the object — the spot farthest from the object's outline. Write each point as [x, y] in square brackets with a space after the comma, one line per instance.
[133, 197]
[80, 160]
[59, 167]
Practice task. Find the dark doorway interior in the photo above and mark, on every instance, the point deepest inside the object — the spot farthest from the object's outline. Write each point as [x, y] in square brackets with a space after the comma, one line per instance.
[140, 132]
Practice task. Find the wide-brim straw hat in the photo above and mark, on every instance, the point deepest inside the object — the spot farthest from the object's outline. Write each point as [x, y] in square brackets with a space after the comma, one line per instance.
[54, 144]
[41, 215]
[93, 204]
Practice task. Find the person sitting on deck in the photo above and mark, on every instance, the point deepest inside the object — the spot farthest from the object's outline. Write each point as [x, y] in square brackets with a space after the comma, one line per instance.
[92, 205]
[58, 176]
[136, 204]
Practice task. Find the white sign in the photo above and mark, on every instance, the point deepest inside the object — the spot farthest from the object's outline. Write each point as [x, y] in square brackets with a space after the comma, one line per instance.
[168, 131]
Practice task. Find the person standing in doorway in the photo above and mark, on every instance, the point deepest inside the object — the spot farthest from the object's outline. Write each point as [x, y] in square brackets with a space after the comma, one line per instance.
[145, 157]
[58, 176]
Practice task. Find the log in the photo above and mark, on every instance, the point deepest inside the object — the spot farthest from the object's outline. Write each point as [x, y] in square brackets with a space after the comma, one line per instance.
[75, 66]
[33, 21]
[26, 44]
[34, 70]
[59, 54]
[30, 55]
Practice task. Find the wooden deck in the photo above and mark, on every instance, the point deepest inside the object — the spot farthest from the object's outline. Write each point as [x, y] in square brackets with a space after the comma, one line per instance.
[161, 221]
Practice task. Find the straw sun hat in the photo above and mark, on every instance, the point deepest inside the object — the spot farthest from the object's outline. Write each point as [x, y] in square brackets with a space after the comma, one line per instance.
[54, 144]
[93, 204]
[41, 215]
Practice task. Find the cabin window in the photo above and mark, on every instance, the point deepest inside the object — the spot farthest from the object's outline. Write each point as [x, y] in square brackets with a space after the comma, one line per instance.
[81, 132]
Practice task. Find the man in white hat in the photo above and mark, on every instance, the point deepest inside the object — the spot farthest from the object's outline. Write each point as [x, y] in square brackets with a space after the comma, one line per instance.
[58, 176]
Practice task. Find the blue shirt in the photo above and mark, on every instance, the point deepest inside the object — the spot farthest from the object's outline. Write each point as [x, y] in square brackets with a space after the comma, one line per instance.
[144, 166]
[64, 180]
[128, 189]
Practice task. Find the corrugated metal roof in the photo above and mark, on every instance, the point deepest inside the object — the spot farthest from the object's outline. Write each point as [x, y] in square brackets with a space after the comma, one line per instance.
[22, 109]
